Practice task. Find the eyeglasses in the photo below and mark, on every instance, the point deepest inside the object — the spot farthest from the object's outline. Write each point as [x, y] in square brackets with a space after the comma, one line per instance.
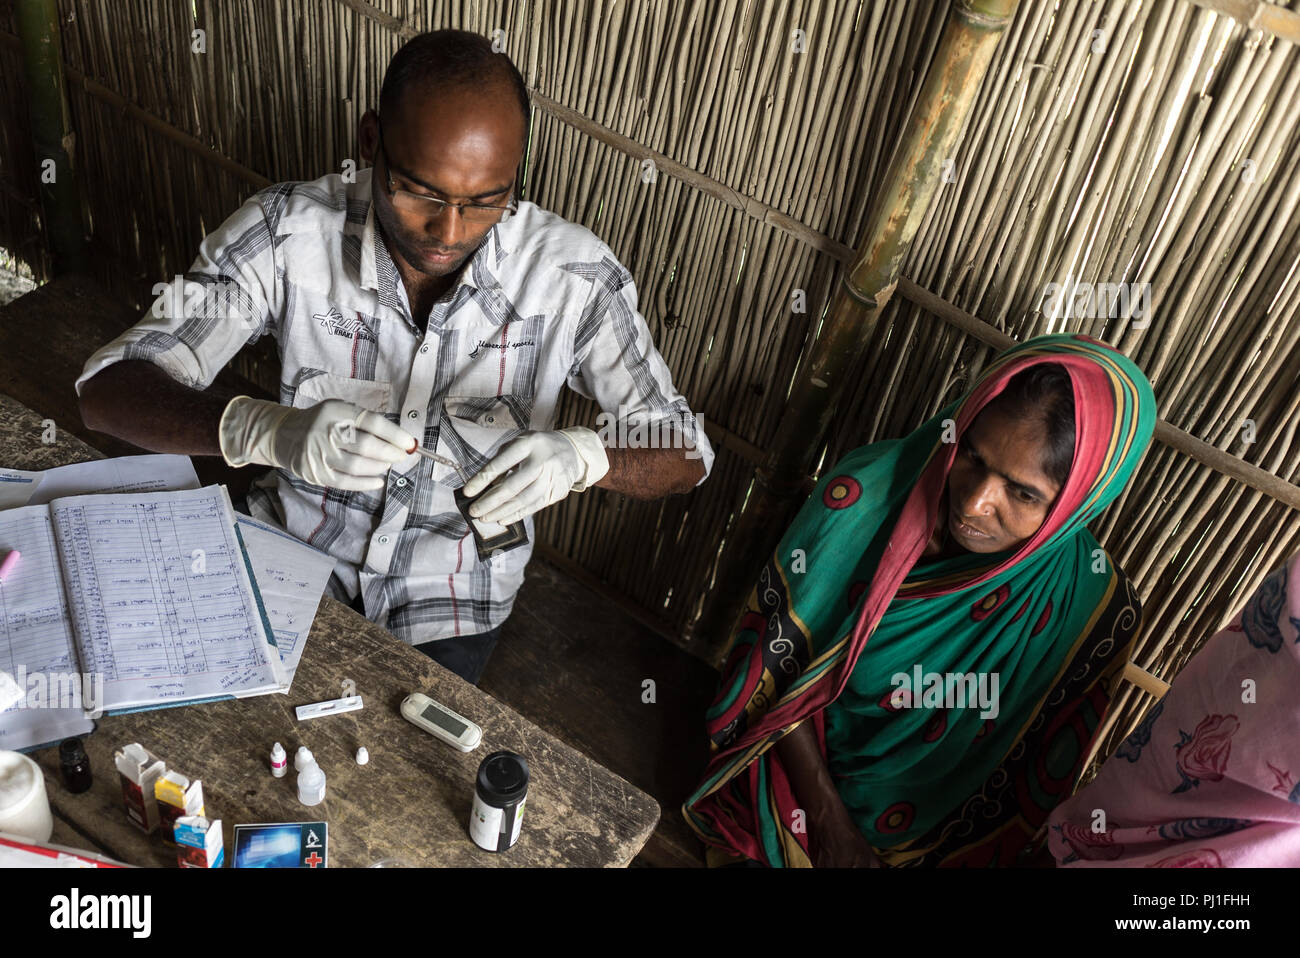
[420, 203]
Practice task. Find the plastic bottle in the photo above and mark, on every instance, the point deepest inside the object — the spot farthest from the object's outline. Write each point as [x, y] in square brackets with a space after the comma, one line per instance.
[24, 806]
[311, 783]
[279, 761]
[301, 759]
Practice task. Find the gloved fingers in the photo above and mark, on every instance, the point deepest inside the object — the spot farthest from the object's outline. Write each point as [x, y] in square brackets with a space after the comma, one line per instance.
[514, 452]
[330, 415]
[341, 480]
[352, 464]
[324, 473]
[497, 511]
[370, 446]
[377, 425]
[506, 489]
[536, 495]
[525, 504]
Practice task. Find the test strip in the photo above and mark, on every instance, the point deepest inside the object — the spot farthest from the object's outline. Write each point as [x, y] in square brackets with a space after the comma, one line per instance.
[332, 707]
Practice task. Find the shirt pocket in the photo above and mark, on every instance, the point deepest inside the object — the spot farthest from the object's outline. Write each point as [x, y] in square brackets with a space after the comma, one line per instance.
[375, 395]
[472, 430]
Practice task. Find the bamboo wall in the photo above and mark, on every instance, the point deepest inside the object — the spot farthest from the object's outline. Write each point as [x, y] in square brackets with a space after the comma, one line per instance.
[1105, 157]
[1131, 166]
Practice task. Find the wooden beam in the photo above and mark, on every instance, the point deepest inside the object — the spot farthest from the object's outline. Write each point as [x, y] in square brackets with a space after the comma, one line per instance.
[193, 144]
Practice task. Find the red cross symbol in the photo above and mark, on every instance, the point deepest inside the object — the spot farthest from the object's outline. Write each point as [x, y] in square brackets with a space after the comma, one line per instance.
[313, 860]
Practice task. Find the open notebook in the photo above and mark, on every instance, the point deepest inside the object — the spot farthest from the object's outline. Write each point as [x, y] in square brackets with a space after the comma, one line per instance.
[151, 591]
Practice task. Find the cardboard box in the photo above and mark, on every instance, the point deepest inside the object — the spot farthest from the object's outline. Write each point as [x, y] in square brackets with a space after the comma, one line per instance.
[140, 769]
[198, 842]
[177, 796]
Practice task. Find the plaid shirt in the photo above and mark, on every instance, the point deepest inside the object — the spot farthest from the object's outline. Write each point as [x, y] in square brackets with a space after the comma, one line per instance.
[541, 303]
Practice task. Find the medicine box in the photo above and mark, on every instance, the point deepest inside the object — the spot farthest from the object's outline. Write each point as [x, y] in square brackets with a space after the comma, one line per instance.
[177, 796]
[199, 842]
[139, 769]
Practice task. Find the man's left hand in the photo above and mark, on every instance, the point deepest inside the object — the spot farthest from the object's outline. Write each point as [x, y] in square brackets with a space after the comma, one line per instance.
[547, 467]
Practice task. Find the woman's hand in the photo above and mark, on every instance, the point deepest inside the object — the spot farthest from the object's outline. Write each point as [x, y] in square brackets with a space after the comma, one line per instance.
[836, 842]
[834, 839]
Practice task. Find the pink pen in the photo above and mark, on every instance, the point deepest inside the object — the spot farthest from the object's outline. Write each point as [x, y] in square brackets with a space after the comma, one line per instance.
[9, 562]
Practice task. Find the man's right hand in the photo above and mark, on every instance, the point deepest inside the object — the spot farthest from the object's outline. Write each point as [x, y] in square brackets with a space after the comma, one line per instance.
[333, 443]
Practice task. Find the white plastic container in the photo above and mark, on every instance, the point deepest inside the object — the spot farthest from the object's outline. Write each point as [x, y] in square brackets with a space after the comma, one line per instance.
[24, 807]
[311, 783]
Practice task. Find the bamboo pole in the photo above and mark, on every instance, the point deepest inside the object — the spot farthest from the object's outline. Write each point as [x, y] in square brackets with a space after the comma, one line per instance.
[52, 133]
[190, 143]
[954, 76]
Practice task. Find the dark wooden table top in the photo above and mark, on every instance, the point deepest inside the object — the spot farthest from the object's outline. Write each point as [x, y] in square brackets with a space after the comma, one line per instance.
[410, 803]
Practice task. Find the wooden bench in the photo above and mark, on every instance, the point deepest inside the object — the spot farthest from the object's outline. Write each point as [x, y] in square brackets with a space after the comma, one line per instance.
[569, 660]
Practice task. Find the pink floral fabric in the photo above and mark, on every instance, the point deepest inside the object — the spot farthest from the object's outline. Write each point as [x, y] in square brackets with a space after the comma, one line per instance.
[1211, 776]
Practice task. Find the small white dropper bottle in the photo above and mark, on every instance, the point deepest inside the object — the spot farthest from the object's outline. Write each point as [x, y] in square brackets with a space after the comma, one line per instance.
[279, 761]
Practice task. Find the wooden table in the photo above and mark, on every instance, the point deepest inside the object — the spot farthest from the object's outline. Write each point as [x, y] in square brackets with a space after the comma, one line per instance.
[411, 802]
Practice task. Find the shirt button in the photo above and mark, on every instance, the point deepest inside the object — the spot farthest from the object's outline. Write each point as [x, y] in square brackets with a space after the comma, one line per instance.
[383, 540]
[424, 348]
[401, 481]
[413, 414]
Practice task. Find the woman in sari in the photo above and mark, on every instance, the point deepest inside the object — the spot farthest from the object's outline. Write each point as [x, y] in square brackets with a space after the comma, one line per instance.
[959, 550]
[1211, 776]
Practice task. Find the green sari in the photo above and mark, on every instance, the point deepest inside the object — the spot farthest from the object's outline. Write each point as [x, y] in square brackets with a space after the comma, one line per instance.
[846, 605]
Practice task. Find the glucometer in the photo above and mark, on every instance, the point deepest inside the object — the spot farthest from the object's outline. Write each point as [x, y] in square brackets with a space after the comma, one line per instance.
[441, 722]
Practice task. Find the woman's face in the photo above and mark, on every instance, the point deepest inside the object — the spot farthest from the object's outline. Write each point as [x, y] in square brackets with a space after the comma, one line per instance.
[998, 492]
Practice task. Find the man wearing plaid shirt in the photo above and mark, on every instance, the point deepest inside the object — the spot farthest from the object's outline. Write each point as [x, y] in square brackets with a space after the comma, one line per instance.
[413, 303]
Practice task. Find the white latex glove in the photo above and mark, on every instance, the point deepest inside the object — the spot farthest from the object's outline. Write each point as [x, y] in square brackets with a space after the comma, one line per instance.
[550, 466]
[333, 443]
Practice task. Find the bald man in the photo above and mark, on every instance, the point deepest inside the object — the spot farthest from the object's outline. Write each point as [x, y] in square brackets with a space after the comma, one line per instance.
[416, 303]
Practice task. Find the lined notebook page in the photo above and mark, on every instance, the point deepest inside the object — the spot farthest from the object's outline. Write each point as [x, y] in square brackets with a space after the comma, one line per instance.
[161, 598]
[36, 635]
